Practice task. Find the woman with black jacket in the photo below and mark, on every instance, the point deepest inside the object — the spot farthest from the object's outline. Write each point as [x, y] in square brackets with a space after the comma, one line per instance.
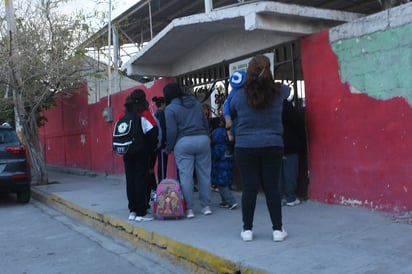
[136, 164]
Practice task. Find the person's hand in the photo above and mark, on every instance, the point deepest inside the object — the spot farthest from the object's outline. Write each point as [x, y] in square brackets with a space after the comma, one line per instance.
[229, 123]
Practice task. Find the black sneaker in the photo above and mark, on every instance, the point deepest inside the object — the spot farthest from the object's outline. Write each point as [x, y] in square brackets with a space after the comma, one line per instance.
[223, 205]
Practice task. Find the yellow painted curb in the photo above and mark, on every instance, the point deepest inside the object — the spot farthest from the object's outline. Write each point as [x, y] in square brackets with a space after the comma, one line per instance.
[194, 259]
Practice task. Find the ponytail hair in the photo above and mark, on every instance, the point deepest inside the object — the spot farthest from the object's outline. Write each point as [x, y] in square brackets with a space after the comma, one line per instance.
[136, 102]
[260, 87]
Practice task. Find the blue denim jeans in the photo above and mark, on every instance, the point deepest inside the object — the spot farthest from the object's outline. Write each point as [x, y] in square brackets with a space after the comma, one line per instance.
[289, 176]
[260, 167]
[226, 195]
[193, 153]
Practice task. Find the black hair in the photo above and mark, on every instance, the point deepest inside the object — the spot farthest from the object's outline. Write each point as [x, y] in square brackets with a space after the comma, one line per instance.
[159, 101]
[217, 122]
[172, 91]
[136, 102]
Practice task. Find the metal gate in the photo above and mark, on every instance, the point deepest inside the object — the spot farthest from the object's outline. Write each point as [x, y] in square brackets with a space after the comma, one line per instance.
[287, 69]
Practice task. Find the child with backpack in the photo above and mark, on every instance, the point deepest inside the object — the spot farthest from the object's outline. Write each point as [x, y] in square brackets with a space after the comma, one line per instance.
[162, 156]
[136, 156]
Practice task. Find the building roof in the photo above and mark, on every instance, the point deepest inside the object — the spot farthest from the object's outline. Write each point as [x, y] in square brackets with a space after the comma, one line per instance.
[177, 36]
[134, 23]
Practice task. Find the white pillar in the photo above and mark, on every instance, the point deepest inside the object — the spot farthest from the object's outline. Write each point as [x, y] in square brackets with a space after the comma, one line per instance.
[208, 6]
[109, 54]
[11, 27]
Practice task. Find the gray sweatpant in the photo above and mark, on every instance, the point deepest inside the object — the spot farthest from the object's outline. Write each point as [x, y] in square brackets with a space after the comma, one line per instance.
[192, 153]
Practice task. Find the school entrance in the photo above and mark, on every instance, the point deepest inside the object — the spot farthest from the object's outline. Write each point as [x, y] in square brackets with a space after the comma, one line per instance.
[211, 87]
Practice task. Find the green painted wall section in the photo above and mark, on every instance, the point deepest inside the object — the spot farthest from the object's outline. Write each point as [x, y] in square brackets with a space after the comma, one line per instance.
[378, 64]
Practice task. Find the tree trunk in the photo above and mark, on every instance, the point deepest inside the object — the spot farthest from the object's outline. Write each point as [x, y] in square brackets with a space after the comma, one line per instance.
[25, 124]
[33, 143]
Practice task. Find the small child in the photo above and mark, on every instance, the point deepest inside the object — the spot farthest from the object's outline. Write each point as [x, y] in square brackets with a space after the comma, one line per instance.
[222, 167]
[236, 81]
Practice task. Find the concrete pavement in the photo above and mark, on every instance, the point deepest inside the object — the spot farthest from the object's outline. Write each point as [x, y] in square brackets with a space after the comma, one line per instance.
[322, 238]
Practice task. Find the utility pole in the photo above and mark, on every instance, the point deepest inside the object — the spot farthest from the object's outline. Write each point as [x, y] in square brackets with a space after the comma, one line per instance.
[14, 68]
[108, 111]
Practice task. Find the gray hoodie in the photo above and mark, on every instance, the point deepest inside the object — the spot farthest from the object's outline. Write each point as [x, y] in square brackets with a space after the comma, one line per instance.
[184, 117]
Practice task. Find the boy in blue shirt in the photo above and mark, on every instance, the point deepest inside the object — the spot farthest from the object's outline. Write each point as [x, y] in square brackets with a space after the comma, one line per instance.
[236, 81]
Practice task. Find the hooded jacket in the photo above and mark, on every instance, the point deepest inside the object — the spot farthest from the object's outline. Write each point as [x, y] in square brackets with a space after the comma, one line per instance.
[258, 128]
[184, 117]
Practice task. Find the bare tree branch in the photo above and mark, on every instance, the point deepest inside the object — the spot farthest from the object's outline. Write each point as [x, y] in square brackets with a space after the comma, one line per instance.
[49, 60]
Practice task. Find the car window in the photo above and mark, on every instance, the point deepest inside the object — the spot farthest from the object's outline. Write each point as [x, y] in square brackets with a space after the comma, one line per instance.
[7, 136]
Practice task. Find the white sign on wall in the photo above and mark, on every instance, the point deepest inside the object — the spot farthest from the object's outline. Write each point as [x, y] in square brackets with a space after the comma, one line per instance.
[242, 64]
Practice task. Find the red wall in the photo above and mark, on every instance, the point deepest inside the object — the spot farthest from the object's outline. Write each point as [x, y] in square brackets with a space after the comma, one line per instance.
[360, 148]
[77, 136]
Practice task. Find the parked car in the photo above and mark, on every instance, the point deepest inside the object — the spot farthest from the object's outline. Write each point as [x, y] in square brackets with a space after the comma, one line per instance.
[15, 175]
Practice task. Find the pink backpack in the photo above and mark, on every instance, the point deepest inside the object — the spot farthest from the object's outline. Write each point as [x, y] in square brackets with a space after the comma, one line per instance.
[169, 202]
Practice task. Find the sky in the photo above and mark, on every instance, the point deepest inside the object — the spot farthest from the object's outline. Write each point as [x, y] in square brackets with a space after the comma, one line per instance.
[102, 5]
[89, 6]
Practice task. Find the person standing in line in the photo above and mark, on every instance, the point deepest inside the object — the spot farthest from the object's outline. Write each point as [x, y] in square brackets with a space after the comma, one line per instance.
[236, 81]
[259, 144]
[187, 134]
[222, 166]
[136, 165]
[208, 113]
[294, 139]
[160, 116]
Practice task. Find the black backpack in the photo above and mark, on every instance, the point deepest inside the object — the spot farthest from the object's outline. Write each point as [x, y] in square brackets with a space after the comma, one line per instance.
[127, 134]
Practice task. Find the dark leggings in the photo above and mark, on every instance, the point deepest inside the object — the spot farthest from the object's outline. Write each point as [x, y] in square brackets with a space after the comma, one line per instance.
[136, 170]
[260, 167]
[161, 164]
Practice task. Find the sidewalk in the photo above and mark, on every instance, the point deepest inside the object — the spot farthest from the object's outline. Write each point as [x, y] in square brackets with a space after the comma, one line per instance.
[322, 238]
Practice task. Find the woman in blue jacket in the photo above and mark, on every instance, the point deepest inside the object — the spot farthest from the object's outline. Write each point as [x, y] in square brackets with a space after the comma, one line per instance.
[259, 144]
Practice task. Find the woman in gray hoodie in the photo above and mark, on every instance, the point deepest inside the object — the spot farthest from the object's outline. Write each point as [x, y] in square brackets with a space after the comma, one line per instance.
[188, 136]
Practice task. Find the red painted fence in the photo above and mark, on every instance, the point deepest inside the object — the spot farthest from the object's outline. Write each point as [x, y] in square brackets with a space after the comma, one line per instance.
[77, 136]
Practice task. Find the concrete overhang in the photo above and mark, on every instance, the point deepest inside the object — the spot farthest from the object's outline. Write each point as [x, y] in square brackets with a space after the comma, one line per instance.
[202, 40]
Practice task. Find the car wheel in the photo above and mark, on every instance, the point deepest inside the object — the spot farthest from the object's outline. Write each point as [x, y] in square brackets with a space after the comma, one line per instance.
[23, 196]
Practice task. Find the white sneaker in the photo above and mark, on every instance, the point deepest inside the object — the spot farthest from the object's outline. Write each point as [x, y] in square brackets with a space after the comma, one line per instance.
[132, 216]
[234, 206]
[279, 235]
[246, 235]
[206, 210]
[144, 218]
[295, 202]
[190, 214]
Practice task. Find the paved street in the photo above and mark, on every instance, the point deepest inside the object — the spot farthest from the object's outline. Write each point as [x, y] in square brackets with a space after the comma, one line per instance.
[36, 239]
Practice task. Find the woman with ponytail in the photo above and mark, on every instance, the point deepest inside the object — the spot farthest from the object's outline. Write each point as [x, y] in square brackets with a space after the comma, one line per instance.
[259, 144]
